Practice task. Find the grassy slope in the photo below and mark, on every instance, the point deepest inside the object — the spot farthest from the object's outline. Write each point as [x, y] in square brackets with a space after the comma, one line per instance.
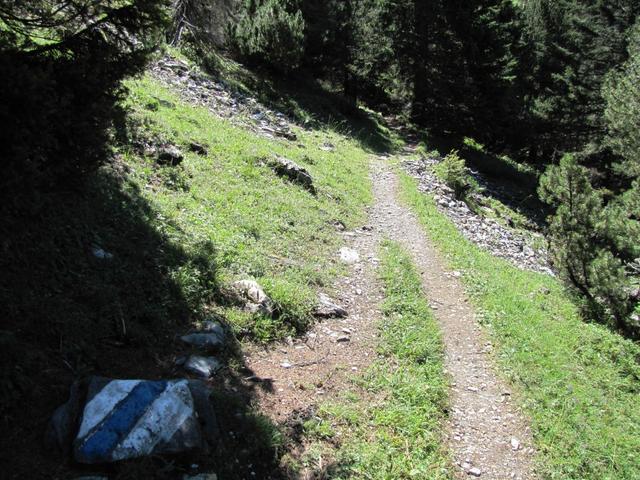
[177, 236]
[258, 225]
[578, 382]
[395, 431]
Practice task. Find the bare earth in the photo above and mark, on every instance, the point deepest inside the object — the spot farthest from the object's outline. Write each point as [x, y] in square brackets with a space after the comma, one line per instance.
[487, 435]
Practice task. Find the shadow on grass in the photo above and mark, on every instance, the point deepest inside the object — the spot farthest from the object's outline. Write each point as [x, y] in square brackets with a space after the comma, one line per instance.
[91, 285]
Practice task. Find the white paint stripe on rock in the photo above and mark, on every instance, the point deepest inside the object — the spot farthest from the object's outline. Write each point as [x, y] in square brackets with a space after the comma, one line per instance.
[160, 422]
[104, 402]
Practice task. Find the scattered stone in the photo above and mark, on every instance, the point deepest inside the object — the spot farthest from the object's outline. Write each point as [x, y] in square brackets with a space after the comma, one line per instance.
[198, 148]
[201, 476]
[166, 103]
[286, 365]
[294, 172]
[349, 256]
[288, 134]
[503, 241]
[170, 155]
[327, 147]
[343, 339]
[475, 471]
[125, 419]
[212, 336]
[197, 88]
[204, 367]
[341, 227]
[100, 253]
[515, 444]
[327, 308]
[251, 296]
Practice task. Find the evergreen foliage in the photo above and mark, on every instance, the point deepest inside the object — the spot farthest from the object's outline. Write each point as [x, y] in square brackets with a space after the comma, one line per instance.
[594, 230]
[456, 175]
[271, 32]
[577, 43]
[593, 242]
[61, 63]
[622, 113]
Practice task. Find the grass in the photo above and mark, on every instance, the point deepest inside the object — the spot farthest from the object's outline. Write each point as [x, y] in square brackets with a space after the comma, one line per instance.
[578, 382]
[176, 237]
[257, 224]
[394, 431]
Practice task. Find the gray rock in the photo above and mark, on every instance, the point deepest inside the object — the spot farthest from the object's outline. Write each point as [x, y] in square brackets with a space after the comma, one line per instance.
[198, 148]
[211, 326]
[327, 308]
[206, 340]
[166, 104]
[251, 296]
[285, 133]
[202, 402]
[211, 335]
[349, 256]
[201, 476]
[170, 155]
[101, 253]
[204, 367]
[125, 419]
[294, 172]
[475, 471]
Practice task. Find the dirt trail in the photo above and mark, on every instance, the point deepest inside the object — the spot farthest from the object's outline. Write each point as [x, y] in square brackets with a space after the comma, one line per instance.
[487, 435]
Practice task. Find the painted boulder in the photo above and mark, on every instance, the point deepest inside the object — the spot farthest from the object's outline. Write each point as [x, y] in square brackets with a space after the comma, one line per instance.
[125, 419]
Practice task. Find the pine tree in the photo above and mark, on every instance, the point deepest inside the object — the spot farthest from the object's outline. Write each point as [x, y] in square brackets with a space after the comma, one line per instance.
[622, 95]
[60, 73]
[330, 42]
[578, 42]
[271, 32]
[587, 237]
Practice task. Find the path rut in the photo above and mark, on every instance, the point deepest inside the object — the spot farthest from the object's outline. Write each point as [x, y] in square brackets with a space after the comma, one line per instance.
[487, 435]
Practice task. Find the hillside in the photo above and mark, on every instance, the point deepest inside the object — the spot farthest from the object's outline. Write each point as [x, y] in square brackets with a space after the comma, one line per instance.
[145, 250]
[288, 239]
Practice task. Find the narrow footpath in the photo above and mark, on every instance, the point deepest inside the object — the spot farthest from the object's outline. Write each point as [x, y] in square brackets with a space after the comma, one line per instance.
[487, 435]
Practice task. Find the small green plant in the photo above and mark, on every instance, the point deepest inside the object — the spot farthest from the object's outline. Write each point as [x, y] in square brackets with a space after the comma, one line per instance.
[318, 428]
[472, 143]
[453, 171]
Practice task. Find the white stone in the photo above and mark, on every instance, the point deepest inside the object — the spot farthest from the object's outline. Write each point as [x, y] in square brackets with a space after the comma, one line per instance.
[349, 256]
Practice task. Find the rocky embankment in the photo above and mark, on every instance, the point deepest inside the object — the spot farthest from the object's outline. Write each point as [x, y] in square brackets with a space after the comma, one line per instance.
[524, 249]
[197, 88]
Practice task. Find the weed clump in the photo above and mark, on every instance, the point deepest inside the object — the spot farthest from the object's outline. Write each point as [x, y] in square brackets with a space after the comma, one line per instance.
[454, 172]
